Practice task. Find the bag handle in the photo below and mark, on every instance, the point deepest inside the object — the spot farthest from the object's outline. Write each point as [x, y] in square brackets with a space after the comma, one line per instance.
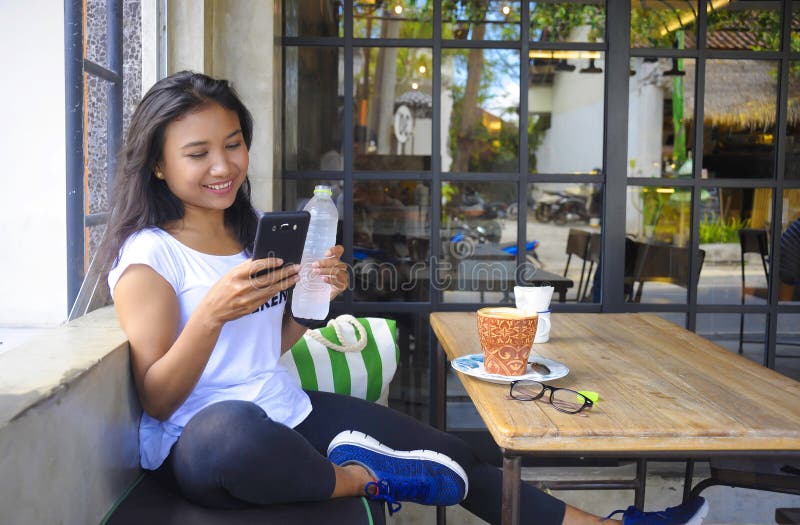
[357, 346]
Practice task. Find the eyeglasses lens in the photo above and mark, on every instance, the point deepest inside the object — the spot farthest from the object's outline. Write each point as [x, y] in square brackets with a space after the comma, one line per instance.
[526, 390]
[568, 400]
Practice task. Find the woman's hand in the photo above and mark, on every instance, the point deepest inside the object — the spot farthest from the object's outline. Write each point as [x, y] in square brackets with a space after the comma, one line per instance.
[333, 270]
[241, 292]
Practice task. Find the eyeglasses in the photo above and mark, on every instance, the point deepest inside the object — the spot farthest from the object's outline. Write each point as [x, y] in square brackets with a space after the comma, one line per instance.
[563, 399]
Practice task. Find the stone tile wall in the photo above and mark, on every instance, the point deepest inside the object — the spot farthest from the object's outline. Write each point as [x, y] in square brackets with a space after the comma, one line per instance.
[97, 95]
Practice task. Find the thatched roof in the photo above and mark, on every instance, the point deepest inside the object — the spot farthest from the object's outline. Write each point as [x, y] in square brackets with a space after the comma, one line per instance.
[742, 93]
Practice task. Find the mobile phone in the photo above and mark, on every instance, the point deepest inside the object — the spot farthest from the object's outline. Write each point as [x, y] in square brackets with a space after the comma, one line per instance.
[282, 235]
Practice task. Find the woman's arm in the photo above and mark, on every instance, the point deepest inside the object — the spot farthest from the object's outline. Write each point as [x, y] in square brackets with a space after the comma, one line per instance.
[167, 365]
[291, 331]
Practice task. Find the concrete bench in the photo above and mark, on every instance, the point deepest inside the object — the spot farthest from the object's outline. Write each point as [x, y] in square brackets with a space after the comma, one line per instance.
[69, 441]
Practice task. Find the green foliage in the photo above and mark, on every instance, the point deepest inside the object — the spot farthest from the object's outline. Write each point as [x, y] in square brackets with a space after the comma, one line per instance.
[719, 230]
[556, 20]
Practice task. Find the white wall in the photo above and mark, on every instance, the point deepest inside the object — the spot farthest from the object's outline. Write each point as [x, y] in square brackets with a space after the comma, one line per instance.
[574, 141]
[33, 239]
[243, 53]
[235, 41]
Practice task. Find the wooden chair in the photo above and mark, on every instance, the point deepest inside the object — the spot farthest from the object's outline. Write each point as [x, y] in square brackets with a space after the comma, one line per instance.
[752, 241]
[593, 254]
[578, 245]
[659, 263]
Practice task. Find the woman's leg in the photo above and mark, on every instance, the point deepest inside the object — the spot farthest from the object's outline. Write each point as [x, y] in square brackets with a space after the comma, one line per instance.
[334, 413]
[231, 453]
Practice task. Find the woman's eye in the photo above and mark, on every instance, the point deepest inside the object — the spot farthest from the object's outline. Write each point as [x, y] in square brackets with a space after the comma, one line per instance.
[234, 145]
[198, 155]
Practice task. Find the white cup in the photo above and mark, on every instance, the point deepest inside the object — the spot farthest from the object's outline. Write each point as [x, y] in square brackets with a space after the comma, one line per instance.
[543, 328]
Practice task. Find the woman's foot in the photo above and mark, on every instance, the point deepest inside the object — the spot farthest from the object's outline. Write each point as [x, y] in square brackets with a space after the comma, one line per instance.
[690, 513]
[421, 476]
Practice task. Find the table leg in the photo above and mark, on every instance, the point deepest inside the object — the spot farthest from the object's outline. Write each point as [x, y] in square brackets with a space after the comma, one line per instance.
[438, 393]
[641, 481]
[511, 486]
[688, 479]
[438, 388]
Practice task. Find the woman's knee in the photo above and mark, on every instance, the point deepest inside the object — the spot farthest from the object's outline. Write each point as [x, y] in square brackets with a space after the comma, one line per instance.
[215, 436]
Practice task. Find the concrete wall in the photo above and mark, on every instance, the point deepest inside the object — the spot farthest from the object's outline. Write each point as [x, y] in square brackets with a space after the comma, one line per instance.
[33, 200]
[236, 40]
[68, 424]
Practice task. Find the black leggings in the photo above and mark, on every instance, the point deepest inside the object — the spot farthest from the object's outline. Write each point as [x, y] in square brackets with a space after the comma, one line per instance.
[232, 454]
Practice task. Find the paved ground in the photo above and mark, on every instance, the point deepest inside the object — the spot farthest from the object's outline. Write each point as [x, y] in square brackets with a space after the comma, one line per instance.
[664, 489]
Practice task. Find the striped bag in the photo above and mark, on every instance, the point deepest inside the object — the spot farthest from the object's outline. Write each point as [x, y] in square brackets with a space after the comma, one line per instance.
[356, 357]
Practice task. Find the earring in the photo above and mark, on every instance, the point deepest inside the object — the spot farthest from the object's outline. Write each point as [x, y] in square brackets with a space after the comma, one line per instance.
[159, 175]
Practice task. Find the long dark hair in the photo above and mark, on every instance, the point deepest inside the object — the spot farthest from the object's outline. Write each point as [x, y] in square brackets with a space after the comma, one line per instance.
[140, 198]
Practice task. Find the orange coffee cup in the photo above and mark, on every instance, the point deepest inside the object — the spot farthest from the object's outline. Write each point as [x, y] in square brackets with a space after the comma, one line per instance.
[506, 336]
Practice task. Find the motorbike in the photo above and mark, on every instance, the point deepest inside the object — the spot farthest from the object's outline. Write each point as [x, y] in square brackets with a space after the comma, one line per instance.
[562, 207]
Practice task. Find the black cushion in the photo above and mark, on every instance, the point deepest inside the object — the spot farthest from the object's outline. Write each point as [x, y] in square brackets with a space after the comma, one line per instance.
[151, 503]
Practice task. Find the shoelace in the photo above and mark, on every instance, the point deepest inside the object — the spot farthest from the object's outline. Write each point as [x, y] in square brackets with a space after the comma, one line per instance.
[403, 490]
[634, 512]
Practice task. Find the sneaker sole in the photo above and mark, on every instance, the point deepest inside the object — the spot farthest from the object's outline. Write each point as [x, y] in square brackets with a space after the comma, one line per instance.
[698, 517]
[352, 437]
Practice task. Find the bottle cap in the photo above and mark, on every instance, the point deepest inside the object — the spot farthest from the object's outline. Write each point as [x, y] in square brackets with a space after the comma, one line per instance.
[321, 188]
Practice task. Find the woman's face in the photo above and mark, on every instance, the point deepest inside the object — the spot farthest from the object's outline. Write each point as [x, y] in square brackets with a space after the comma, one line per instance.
[204, 160]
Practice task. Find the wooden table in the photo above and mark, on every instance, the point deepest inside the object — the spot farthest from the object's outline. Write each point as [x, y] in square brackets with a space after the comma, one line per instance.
[664, 392]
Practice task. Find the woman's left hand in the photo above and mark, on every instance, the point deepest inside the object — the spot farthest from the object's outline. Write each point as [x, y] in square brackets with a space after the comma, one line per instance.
[333, 270]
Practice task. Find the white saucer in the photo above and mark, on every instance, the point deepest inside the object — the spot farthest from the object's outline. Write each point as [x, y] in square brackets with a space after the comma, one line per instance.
[472, 365]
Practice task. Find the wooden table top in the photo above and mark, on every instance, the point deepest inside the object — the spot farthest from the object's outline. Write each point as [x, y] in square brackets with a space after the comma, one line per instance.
[663, 390]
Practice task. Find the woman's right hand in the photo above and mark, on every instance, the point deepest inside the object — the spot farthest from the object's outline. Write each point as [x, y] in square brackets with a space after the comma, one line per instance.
[241, 292]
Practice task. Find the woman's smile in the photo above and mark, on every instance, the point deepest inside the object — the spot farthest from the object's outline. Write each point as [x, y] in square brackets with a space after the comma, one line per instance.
[220, 188]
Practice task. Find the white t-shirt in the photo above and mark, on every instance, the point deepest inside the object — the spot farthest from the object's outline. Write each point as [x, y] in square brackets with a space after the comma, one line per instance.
[244, 363]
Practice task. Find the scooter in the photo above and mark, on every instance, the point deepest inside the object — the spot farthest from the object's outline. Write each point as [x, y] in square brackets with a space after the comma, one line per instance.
[561, 207]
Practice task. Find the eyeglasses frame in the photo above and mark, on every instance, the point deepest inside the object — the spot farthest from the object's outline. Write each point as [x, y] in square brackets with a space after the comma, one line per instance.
[587, 403]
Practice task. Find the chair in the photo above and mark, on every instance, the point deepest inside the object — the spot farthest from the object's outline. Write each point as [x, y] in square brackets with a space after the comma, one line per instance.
[780, 474]
[593, 253]
[659, 263]
[578, 245]
[752, 241]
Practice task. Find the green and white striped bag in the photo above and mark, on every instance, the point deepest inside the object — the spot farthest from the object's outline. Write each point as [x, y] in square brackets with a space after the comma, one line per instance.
[356, 357]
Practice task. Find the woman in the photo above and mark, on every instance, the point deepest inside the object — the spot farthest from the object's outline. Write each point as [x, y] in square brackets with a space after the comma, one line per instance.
[222, 418]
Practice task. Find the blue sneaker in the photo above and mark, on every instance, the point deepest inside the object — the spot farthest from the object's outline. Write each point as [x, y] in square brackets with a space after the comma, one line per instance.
[690, 513]
[420, 476]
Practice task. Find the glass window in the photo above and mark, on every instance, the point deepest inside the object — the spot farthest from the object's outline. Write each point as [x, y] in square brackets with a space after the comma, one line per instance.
[795, 36]
[394, 19]
[565, 111]
[787, 348]
[391, 241]
[568, 21]
[313, 114]
[675, 318]
[742, 333]
[792, 170]
[739, 118]
[737, 25]
[478, 263]
[564, 235]
[664, 24]
[313, 19]
[656, 244]
[483, 20]
[393, 111]
[660, 130]
[734, 226]
[480, 105]
[789, 263]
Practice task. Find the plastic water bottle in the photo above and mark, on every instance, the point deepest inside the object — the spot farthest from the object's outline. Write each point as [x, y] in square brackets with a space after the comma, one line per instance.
[312, 295]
